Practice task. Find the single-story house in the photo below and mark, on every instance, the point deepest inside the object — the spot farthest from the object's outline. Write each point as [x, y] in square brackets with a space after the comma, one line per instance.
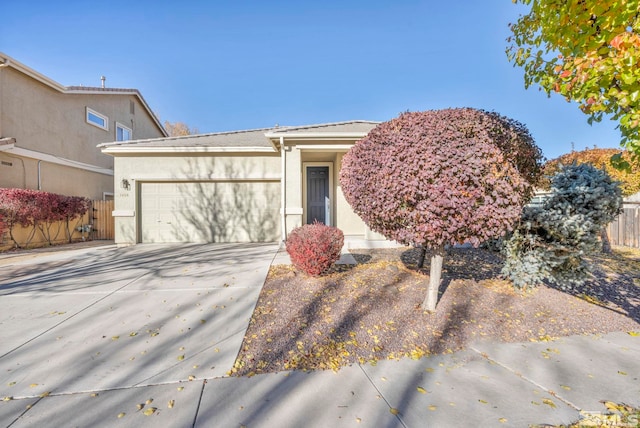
[244, 186]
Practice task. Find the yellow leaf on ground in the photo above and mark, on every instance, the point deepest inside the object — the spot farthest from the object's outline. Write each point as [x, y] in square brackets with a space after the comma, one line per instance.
[611, 405]
[171, 403]
[432, 407]
[633, 333]
[121, 415]
[622, 373]
[502, 420]
[394, 411]
[549, 403]
[180, 357]
[150, 411]
[421, 390]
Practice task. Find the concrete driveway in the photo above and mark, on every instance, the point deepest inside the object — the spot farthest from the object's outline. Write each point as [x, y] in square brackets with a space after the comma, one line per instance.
[107, 319]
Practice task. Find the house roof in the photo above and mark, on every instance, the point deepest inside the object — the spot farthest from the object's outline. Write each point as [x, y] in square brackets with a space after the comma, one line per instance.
[252, 140]
[349, 126]
[7, 61]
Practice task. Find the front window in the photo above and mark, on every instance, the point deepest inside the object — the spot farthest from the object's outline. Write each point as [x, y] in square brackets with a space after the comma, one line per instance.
[122, 132]
[96, 119]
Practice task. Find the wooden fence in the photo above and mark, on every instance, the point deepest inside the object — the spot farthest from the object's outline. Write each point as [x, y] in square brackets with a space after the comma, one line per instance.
[625, 230]
[103, 224]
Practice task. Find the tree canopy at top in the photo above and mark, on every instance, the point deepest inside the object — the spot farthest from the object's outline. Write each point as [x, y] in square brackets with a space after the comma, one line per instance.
[441, 177]
[600, 158]
[589, 52]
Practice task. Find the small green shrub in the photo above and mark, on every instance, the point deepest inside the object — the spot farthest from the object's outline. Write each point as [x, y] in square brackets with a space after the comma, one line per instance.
[314, 248]
[550, 241]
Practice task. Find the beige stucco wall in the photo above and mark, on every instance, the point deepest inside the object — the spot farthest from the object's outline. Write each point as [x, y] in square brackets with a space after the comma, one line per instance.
[348, 221]
[293, 188]
[48, 121]
[343, 216]
[248, 167]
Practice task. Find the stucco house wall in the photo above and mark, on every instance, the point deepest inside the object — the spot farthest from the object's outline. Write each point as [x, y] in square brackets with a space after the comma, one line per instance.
[46, 142]
[201, 179]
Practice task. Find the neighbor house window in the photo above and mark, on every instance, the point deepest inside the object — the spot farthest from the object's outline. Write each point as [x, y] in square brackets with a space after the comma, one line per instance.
[97, 119]
[122, 132]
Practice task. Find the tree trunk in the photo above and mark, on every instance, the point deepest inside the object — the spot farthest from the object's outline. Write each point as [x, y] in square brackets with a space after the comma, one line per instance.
[423, 253]
[435, 278]
[606, 244]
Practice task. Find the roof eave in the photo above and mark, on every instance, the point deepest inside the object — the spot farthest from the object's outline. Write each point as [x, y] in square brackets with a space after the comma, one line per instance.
[316, 136]
[118, 149]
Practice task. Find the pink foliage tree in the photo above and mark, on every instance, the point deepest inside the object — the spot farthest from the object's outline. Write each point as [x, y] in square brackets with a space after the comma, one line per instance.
[71, 208]
[438, 178]
[38, 210]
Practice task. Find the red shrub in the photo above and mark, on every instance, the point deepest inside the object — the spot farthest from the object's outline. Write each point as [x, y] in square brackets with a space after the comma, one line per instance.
[314, 248]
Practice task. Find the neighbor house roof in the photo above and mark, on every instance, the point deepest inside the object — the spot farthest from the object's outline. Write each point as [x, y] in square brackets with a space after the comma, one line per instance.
[7, 61]
[252, 140]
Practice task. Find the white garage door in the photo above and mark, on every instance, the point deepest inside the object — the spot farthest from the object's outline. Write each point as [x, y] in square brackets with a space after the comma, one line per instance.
[210, 212]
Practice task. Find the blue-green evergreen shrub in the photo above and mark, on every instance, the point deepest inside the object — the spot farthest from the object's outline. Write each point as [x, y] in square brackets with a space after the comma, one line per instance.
[550, 242]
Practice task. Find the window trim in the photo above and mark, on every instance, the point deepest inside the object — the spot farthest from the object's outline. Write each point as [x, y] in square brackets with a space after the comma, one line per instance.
[119, 125]
[100, 115]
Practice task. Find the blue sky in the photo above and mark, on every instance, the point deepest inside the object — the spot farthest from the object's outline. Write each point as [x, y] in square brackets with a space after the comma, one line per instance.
[230, 65]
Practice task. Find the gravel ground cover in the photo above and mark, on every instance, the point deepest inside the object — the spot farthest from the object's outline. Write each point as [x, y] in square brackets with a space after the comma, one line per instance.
[372, 311]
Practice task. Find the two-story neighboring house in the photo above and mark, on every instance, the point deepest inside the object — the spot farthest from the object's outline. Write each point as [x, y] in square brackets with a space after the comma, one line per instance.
[49, 132]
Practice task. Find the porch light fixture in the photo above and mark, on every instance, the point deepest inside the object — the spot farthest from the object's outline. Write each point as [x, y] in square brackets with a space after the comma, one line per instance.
[125, 184]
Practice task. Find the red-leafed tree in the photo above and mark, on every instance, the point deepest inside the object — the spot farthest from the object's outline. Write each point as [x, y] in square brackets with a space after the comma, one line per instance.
[444, 177]
[72, 208]
[18, 208]
[40, 211]
[49, 214]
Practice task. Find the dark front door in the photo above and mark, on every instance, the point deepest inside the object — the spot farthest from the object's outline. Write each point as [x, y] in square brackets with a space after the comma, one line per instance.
[318, 194]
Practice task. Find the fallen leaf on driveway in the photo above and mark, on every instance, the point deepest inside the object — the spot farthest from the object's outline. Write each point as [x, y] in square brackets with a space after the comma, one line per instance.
[150, 411]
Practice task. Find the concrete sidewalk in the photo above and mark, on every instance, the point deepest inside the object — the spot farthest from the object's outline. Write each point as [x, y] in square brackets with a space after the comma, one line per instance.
[144, 336]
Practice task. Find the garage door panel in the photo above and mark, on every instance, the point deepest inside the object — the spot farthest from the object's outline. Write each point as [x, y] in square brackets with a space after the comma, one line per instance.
[210, 212]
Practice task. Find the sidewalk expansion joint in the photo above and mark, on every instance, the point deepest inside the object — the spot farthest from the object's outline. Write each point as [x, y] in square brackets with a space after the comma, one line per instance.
[527, 379]
[397, 415]
[195, 416]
